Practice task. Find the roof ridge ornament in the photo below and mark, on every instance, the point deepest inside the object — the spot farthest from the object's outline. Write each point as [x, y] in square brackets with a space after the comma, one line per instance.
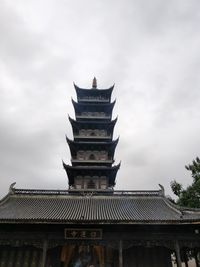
[162, 189]
[11, 188]
[94, 83]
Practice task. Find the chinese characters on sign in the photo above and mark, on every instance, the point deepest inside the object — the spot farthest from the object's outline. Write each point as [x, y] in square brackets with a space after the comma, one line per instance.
[73, 233]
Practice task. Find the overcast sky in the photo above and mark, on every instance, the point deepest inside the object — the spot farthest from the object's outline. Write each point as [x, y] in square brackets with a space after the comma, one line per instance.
[149, 49]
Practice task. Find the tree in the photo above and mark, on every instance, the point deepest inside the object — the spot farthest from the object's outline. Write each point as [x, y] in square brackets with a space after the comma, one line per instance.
[190, 196]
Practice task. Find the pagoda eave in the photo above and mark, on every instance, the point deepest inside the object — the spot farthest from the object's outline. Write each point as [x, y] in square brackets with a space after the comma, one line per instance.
[106, 107]
[73, 171]
[98, 125]
[84, 91]
[75, 146]
[92, 143]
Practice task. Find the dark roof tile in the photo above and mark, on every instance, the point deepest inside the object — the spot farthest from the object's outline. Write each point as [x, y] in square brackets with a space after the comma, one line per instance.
[51, 206]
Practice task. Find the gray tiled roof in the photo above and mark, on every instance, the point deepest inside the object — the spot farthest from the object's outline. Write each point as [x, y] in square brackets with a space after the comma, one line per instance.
[120, 207]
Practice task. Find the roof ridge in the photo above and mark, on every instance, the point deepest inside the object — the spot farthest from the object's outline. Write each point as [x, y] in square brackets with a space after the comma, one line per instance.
[172, 205]
[39, 191]
[66, 192]
[181, 208]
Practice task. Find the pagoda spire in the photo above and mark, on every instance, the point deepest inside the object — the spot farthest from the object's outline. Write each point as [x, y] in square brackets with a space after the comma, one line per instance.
[94, 83]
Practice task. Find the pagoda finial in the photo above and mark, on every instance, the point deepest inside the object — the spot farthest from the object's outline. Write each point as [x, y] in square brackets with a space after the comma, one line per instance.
[94, 83]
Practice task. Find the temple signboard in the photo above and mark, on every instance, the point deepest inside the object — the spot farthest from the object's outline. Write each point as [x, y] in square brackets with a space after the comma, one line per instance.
[74, 233]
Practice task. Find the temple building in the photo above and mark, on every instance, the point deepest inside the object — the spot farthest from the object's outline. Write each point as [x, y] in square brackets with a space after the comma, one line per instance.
[90, 224]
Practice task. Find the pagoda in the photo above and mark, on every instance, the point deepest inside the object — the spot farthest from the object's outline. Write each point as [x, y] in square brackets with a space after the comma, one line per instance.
[92, 148]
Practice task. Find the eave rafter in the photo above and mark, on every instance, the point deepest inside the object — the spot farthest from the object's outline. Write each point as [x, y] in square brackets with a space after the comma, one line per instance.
[105, 107]
[81, 145]
[88, 92]
[91, 125]
[109, 172]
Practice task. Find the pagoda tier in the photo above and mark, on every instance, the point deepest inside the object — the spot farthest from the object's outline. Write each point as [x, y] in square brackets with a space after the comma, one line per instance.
[95, 153]
[93, 111]
[90, 177]
[93, 95]
[84, 130]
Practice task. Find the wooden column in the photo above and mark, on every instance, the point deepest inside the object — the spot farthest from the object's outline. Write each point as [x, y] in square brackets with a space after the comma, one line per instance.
[185, 257]
[186, 260]
[120, 253]
[44, 252]
[195, 257]
[178, 254]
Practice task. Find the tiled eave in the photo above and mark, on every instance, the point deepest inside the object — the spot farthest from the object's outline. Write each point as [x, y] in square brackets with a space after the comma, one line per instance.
[81, 222]
[26, 206]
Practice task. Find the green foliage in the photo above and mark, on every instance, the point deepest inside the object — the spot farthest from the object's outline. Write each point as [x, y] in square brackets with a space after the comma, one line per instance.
[176, 188]
[195, 169]
[190, 196]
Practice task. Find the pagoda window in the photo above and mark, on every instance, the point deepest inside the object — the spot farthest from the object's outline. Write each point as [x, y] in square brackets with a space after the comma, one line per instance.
[103, 182]
[87, 154]
[92, 157]
[88, 132]
[79, 182]
[102, 133]
[93, 134]
[86, 178]
[81, 155]
[91, 184]
[103, 155]
[82, 132]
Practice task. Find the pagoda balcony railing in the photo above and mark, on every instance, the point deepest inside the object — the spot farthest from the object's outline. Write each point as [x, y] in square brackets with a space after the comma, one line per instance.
[93, 136]
[96, 161]
[94, 117]
[90, 99]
